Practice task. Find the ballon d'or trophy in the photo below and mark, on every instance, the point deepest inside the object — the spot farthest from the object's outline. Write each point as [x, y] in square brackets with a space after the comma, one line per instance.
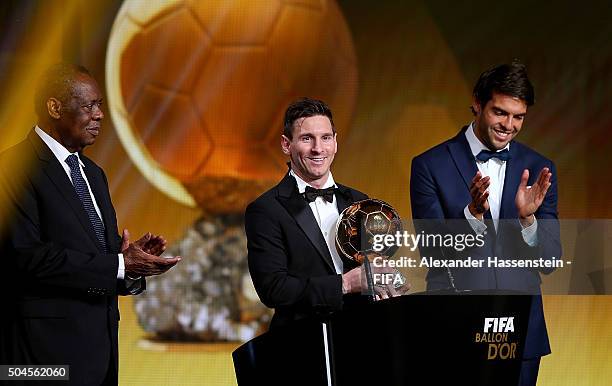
[355, 232]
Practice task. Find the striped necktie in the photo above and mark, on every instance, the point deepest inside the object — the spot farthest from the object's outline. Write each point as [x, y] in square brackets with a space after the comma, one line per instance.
[83, 192]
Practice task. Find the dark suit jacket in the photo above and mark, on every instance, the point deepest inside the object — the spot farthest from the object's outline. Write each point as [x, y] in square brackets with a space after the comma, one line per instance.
[60, 288]
[289, 261]
[439, 189]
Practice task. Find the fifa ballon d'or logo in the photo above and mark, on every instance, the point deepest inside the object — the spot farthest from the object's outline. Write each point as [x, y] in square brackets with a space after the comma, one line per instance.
[499, 337]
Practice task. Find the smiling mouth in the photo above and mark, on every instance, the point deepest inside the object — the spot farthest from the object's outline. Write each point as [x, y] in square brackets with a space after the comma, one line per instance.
[317, 160]
[94, 130]
[502, 135]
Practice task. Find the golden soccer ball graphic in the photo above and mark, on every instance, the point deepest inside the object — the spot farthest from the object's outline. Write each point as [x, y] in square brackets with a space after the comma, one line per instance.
[197, 89]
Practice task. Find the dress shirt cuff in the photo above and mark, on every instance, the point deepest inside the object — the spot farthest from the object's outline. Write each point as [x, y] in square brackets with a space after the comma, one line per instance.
[530, 235]
[121, 270]
[478, 226]
[121, 273]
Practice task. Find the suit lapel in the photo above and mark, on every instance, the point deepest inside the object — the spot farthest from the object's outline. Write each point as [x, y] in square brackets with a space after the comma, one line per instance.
[460, 152]
[58, 177]
[344, 198]
[299, 209]
[463, 158]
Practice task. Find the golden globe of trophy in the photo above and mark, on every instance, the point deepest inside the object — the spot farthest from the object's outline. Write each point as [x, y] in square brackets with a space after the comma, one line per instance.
[360, 223]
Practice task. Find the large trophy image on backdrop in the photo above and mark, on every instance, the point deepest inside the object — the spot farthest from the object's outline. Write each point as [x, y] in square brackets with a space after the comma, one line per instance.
[196, 92]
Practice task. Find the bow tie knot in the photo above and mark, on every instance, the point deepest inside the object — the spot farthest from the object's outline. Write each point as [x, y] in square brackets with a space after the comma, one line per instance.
[485, 155]
[311, 194]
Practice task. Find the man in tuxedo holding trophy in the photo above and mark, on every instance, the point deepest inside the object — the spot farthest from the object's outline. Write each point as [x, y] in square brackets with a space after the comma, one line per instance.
[291, 228]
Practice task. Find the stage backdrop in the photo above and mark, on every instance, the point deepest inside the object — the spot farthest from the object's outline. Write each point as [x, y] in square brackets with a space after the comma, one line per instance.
[194, 96]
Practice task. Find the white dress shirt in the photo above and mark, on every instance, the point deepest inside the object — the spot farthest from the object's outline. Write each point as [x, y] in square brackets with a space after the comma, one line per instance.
[61, 153]
[495, 169]
[326, 214]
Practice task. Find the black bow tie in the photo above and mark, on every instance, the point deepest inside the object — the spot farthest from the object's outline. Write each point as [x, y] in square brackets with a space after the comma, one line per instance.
[485, 155]
[311, 194]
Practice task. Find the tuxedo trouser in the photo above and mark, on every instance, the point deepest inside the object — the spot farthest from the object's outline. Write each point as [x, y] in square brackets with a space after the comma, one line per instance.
[111, 375]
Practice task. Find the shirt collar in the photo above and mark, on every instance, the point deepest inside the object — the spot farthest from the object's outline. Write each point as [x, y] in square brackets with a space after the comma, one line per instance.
[302, 184]
[58, 150]
[475, 145]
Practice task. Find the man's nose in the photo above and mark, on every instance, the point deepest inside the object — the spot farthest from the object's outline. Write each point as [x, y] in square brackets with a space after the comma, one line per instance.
[97, 113]
[316, 146]
[508, 122]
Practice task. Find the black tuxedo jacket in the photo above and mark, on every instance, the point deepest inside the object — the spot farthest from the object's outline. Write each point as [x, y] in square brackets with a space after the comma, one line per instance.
[59, 288]
[289, 260]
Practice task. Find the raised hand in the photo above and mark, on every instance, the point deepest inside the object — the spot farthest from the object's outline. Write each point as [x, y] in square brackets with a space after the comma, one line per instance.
[139, 262]
[479, 192]
[152, 244]
[125, 240]
[529, 199]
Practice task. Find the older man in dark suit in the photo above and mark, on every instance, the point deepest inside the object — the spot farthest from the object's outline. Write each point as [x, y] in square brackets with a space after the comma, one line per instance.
[63, 261]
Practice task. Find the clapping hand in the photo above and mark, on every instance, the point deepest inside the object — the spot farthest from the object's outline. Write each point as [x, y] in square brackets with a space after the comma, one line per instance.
[142, 256]
[479, 192]
[152, 244]
[529, 198]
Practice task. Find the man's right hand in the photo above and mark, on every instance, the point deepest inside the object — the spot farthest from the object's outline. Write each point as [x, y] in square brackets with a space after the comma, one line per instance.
[354, 281]
[479, 192]
[351, 281]
[139, 263]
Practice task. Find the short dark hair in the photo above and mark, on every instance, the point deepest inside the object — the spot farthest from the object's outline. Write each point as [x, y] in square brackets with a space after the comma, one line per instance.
[508, 79]
[305, 108]
[58, 81]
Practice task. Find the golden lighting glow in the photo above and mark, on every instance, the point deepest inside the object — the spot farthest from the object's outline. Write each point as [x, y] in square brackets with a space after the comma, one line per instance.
[124, 29]
[34, 53]
[198, 90]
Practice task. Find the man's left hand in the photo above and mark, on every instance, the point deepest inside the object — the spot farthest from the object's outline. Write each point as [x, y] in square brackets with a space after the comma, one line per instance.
[149, 243]
[529, 199]
[152, 244]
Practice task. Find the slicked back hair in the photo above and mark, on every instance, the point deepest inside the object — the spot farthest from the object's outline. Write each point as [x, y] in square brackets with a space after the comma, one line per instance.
[305, 108]
[507, 79]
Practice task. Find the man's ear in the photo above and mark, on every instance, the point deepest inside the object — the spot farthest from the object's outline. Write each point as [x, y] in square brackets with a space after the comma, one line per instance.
[54, 108]
[285, 144]
[475, 106]
[335, 143]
